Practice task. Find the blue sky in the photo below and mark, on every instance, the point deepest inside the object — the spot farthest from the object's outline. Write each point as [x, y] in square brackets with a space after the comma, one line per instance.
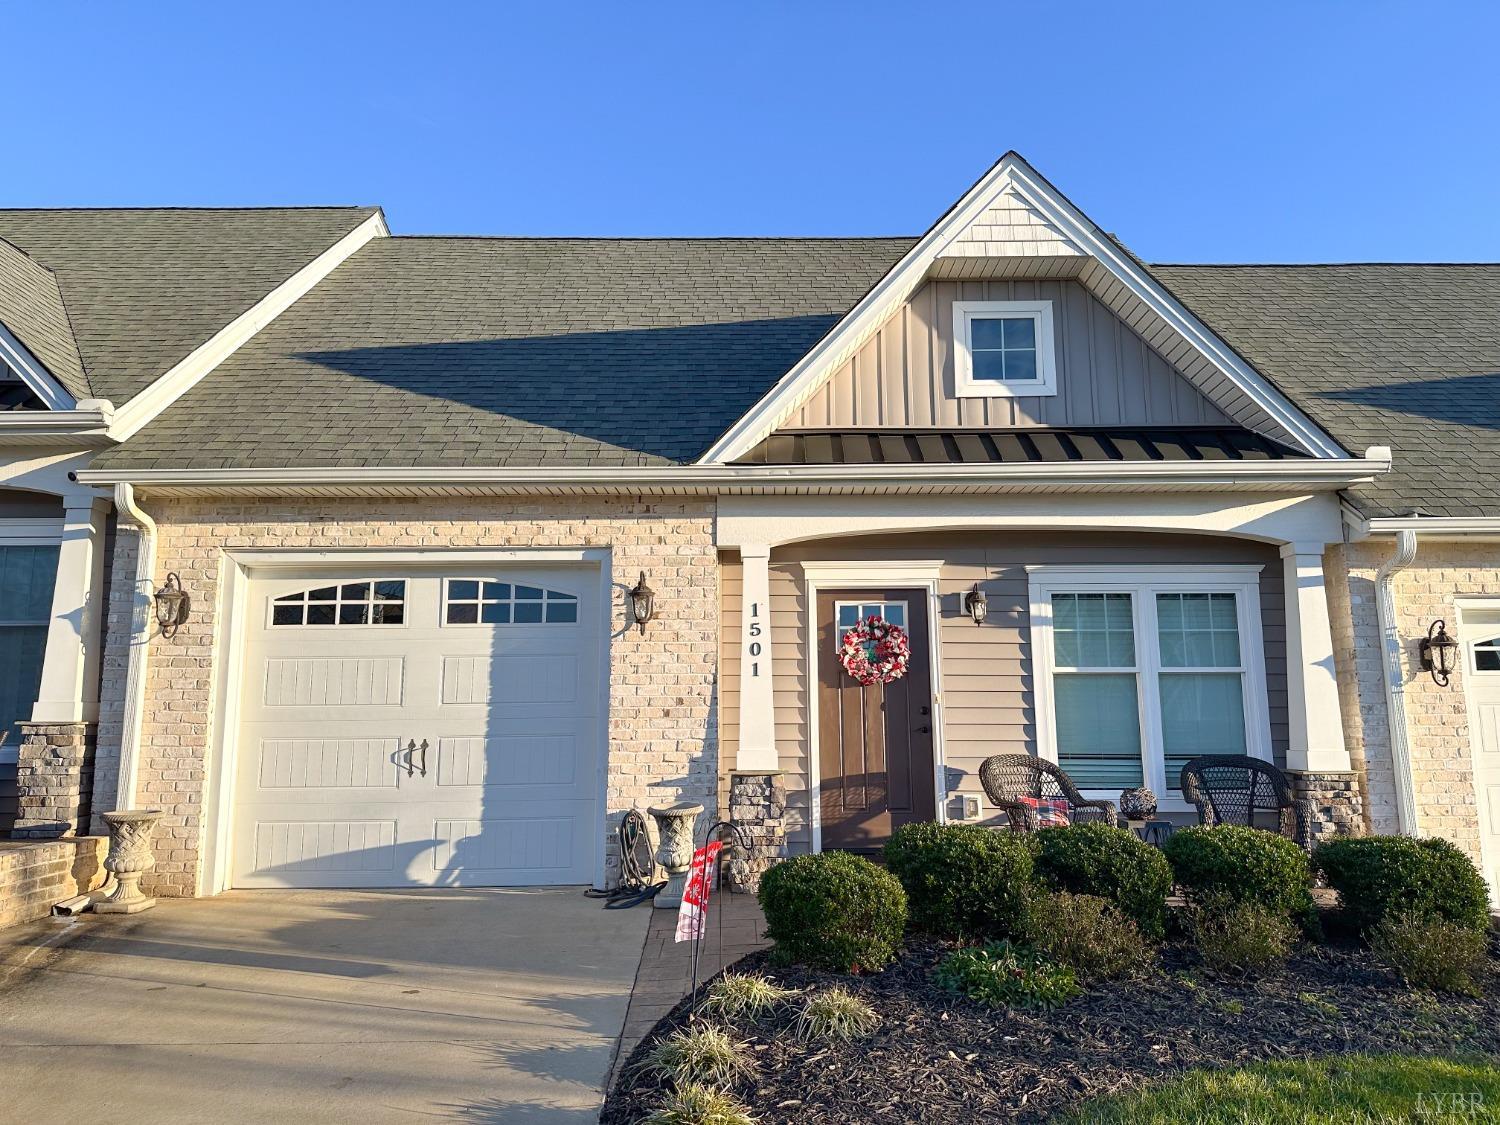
[1314, 131]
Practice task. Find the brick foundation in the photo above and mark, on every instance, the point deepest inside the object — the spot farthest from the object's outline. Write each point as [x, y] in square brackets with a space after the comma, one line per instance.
[54, 779]
[35, 874]
[757, 807]
[1331, 805]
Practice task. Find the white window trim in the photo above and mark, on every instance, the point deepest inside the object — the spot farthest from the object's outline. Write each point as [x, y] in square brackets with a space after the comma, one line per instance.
[1144, 583]
[966, 386]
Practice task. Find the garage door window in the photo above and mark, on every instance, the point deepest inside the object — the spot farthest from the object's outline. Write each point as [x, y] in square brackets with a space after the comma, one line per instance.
[381, 602]
[480, 601]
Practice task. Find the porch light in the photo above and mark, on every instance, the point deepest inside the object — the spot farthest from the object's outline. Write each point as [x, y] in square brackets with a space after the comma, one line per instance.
[172, 605]
[1438, 653]
[976, 605]
[642, 602]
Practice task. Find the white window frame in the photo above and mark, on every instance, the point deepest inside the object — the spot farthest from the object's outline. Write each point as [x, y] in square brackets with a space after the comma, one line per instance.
[1143, 583]
[1040, 312]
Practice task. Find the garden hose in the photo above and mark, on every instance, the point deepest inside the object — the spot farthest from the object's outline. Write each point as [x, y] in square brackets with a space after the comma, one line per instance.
[637, 866]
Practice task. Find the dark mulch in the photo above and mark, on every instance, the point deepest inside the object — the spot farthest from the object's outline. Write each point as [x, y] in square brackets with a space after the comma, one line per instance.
[940, 1058]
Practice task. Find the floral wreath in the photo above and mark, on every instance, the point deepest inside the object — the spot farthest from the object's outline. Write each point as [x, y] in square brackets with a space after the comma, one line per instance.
[875, 651]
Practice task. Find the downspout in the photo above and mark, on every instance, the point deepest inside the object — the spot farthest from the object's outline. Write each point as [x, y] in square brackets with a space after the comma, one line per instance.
[1395, 679]
[139, 642]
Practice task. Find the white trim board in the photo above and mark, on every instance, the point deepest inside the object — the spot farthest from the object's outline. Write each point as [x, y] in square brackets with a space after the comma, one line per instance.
[874, 574]
[1489, 852]
[1014, 174]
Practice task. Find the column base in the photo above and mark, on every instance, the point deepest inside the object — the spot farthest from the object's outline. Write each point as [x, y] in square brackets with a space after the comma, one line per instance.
[1329, 803]
[54, 779]
[757, 808]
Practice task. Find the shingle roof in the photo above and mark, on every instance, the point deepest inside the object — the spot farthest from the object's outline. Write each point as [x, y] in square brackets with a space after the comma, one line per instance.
[143, 287]
[31, 307]
[454, 351]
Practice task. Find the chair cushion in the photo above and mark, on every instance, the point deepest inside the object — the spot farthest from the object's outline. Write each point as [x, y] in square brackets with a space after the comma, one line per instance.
[1051, 812]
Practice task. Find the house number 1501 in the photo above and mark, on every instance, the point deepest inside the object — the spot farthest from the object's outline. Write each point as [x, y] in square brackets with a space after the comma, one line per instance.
[754, 628]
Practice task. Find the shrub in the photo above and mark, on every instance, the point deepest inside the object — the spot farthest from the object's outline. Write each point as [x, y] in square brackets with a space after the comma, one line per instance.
[700, 1105]
[833, 911]
[1003, 975]
[1088, 934]
[1432, 952]
[1242, 937]
[1228, 864]
[835, 1013]
[963, 880]
[704, 1054]
[743, 994]
[1378, 877]
[1112, 863]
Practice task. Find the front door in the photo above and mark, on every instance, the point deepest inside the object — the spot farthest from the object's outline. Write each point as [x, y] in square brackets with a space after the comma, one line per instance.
[875, 752]
[1481, 635]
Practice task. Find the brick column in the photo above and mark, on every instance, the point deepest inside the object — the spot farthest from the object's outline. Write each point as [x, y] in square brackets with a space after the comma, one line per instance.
[757, 807]
[54, 777]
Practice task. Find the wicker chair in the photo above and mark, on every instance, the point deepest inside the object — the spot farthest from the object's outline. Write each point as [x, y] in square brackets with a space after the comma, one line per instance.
[1233, 789]
[1008, 777]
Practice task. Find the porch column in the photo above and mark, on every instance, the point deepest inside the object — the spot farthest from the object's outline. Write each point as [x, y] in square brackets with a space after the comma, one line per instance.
[757, 728]
[1316, 726]
[69, 691]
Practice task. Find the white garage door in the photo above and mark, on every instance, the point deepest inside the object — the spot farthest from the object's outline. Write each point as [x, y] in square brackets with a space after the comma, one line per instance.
[410, 729]
[1481, 635]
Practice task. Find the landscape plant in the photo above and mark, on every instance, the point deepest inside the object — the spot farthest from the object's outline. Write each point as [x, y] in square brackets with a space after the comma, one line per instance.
[1379, 877]
[741, 995]
[1112, 863]
[703, 1054]
[962, 880]
[1001, 974]
[1091, 935]
[1227, 864]
[1242, 937]
[835, 1013]
[696, 1104]
[834, 911]
[1432, 953]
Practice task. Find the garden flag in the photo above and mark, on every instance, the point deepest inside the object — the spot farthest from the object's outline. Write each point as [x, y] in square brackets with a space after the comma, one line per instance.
[692, 914]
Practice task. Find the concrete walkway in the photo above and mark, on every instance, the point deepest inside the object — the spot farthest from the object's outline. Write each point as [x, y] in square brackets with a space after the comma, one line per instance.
[340, 1006]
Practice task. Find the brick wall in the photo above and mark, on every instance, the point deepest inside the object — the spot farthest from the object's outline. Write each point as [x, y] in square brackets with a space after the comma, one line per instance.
[662, 737]
[1438, 727]
[34, 875]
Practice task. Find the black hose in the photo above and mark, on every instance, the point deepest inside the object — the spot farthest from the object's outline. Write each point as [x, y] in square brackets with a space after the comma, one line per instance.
[637, 866]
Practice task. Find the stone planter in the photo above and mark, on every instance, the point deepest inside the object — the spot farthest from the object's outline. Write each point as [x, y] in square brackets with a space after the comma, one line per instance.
[674, 850]
[129, 858]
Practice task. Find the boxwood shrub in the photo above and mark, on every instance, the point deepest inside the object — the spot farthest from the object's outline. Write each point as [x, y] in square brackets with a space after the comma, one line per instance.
[833, 911]
[962, 880]
[1380, 877]
[1111, 863]
[1226, 864]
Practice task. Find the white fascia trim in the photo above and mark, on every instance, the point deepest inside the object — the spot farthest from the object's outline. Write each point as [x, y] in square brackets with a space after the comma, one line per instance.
[1434, 525]
[88, 427]
[20, 360]
[1310, 474]
[177, 380]
[904, 277]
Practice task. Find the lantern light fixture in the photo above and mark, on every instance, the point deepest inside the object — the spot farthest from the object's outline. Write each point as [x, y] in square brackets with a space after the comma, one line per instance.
[172, 605]
[1438, 653]
[642, 602]
[976, 605]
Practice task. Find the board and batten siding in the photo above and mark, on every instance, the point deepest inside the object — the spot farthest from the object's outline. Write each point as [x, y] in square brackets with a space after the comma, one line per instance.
[903, 375]
[987, 703]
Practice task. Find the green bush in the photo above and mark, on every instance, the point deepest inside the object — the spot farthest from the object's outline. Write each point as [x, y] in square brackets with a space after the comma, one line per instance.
[833, 911]
[1112, 863]
[1378, 877]
[1090, 935]
[1002, 975]
[963, 881]
[1432, 952]
[1242, 937]
[1227, 864]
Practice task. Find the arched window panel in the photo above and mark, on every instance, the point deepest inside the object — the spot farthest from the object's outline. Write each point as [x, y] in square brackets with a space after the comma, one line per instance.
[375, 602]
[1487, 655]
[486, 601]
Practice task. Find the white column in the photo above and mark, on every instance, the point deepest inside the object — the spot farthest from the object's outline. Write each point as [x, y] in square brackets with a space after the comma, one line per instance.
[757, 698]
[70, 668]
[1316, 725]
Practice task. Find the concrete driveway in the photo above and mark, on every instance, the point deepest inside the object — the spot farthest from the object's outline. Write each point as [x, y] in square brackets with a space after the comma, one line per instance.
[319, 1006]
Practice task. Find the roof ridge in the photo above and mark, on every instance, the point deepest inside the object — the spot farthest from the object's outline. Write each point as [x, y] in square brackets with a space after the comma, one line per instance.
[1305, 265]
[798, 238]
[193, 207]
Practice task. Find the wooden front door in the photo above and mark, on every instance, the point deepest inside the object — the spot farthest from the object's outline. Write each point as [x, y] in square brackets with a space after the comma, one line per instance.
[874, 743]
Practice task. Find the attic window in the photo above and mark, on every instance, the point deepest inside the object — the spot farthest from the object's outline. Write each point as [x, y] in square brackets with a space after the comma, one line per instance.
[1004, 349]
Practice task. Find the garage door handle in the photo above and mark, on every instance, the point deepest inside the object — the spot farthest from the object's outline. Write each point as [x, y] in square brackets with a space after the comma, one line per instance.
[423, 749]
[409, 749]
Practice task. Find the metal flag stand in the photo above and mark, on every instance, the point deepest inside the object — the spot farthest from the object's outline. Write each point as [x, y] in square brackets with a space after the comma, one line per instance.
[737, 835]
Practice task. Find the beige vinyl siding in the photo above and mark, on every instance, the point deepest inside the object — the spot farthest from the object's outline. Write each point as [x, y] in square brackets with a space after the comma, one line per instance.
[987, 702]
[903, 375]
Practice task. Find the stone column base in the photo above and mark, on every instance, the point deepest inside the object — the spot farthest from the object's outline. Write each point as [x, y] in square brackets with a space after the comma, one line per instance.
[757, 808]
[1330, 805]
[54, 779]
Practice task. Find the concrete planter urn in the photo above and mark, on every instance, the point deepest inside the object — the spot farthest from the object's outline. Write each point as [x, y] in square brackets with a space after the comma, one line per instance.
[674, 849]
[129, 858]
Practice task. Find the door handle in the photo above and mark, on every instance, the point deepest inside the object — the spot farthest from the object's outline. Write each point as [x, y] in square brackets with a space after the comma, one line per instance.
[409, 749]
[423, 749]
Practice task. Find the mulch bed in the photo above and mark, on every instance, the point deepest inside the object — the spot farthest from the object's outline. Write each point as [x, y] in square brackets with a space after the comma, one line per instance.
[941, 1058]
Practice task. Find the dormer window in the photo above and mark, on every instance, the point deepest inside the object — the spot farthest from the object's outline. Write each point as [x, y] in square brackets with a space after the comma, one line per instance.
[1004, 349]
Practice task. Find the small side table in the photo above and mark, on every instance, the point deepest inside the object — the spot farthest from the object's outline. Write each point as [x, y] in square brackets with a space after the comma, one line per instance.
[1154, 832]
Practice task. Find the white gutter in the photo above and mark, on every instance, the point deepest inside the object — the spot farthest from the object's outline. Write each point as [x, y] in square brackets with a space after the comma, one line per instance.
[1395, 679]
[87, 423]
[1436, 525]
[131, 516]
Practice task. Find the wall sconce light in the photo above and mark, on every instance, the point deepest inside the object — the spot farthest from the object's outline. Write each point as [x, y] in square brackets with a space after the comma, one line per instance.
[1438, 653]
[642, 602]
[172, 605]
[976, 605]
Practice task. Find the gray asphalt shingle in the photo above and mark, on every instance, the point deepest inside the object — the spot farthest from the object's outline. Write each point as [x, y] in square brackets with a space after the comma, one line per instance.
[31, 307]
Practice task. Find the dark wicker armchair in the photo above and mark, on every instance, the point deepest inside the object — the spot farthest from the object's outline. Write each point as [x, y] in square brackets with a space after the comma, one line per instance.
[1233, 789]
[1008, 777]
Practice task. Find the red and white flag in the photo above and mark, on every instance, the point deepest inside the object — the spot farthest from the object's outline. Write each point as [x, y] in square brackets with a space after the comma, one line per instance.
[692, 915]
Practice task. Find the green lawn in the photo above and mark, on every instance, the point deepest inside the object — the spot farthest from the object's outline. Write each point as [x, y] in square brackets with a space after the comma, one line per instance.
[1351, 1088]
